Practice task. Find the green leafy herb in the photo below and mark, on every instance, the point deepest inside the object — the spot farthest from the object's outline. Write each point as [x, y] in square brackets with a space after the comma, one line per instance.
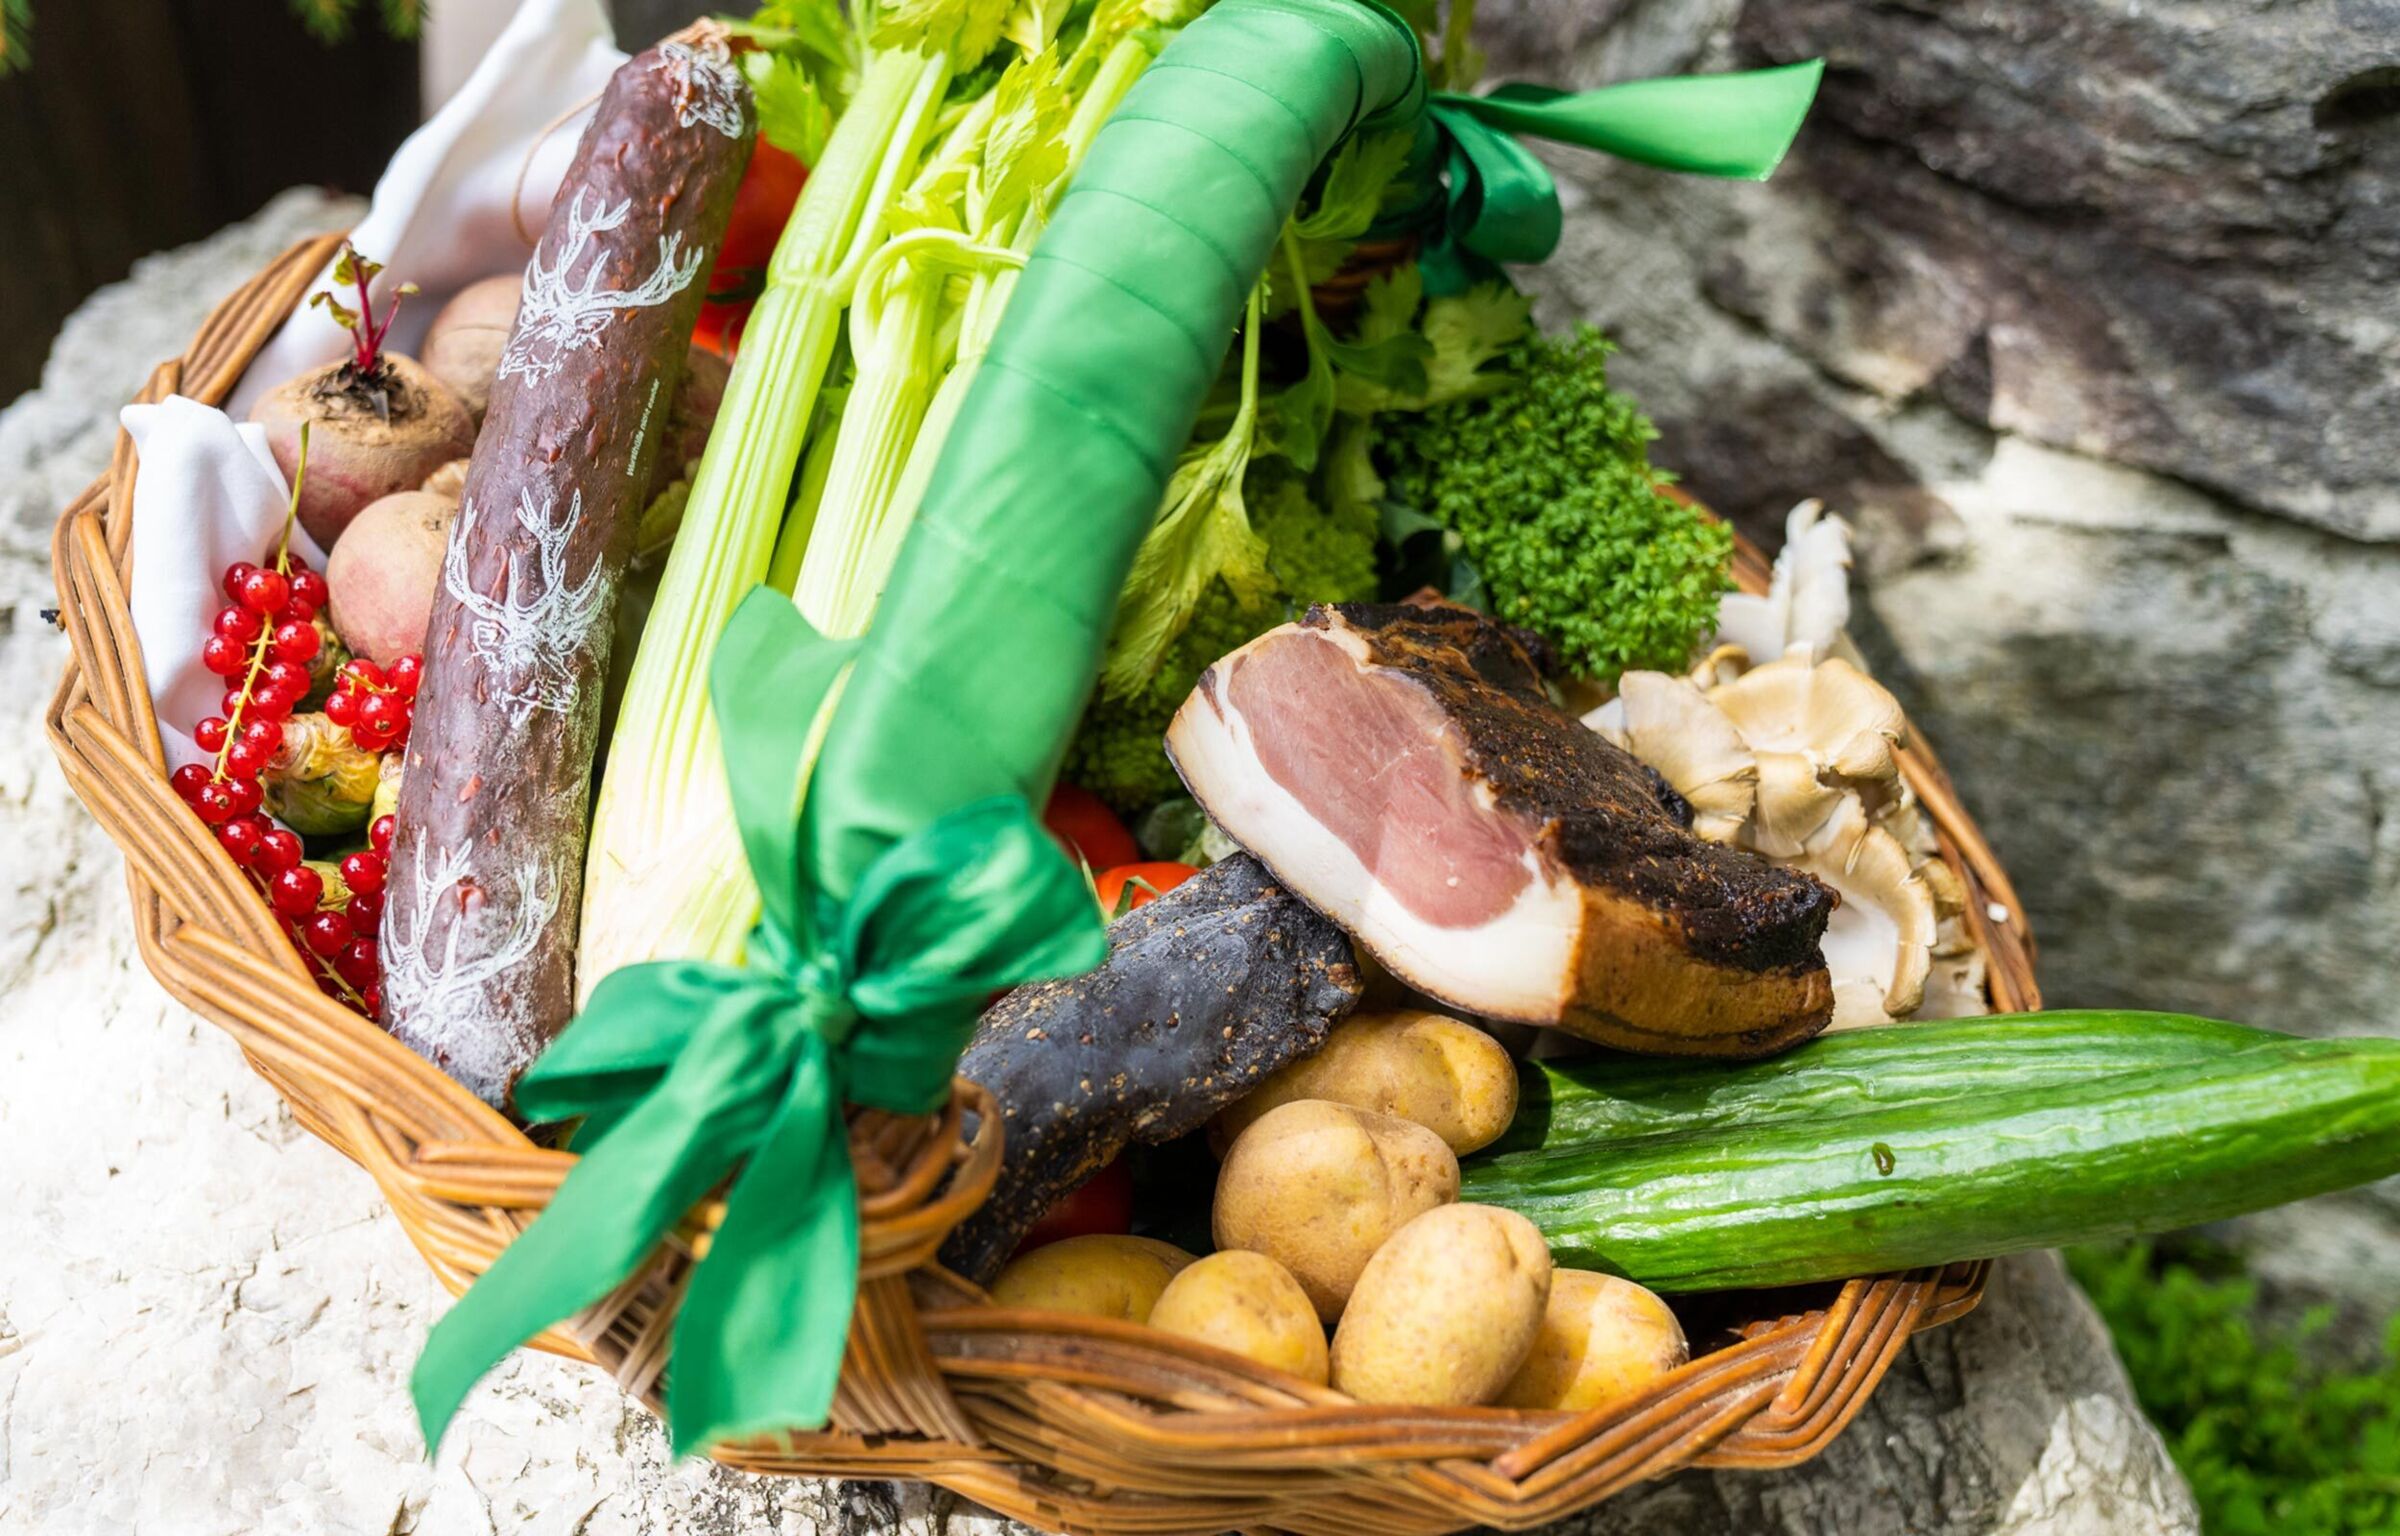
[1548, 485]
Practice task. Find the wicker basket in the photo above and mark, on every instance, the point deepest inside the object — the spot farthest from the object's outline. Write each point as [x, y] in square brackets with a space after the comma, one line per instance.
[1065, 1422]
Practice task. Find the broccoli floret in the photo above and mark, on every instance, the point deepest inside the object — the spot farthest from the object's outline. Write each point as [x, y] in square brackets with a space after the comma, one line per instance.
[1549, 487]
[1317, 556]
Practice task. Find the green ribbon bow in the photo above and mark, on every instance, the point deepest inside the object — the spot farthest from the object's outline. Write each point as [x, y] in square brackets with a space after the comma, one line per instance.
[1502, 204]
[684, 1069]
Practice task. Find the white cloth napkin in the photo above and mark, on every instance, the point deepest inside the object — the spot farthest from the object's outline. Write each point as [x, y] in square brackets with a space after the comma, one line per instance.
[441, 215]
[208, 492]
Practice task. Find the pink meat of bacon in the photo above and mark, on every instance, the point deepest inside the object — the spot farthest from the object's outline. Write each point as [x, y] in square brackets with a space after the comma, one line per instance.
[1403, 770]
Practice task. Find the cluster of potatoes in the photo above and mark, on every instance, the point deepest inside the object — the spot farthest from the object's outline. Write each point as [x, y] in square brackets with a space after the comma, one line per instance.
[1337, 1204]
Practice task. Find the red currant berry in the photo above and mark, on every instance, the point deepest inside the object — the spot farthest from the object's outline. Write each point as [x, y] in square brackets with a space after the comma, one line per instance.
[373, 998]
[325, 933]
[241, 837]
[224, 657]
[266, 735]
[215, 802]
[278, 852]
[382, 714]
[210, 734]
[263, 591]
[288, 678]
[309, 587]
[405, 673]
[363, 873]
[342, 708]
[363, 672]
[296, 889]
[235, 575]
[244, 761]
[238, 623]
[245, 795]
[356, 962]
[366, 910]
[269, 705]
[187, 780]
[380, 836]
[297, 642]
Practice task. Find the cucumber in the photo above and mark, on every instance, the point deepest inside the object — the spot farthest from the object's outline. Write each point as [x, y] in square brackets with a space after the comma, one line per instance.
[1922, 1179]
[1600, 1098]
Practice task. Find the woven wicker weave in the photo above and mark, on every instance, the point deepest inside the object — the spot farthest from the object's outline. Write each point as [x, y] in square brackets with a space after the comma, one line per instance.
[1065, 1422]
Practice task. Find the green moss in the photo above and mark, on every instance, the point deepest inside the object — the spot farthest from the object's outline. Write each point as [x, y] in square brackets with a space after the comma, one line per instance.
[2273, 1441]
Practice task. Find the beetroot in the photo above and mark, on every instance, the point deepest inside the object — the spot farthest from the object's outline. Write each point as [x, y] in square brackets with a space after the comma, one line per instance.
[378, 422]
[385, 571]
[463, 347]
[369, 436]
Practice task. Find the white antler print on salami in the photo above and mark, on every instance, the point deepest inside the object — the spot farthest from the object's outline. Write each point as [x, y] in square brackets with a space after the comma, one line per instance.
[531, 631]
[486, 874]
[562, 313]
[448, 948]
[713, 89]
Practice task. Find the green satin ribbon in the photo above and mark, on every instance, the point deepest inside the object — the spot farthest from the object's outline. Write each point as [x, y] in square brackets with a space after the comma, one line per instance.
[1502, 204]
[684, 1071]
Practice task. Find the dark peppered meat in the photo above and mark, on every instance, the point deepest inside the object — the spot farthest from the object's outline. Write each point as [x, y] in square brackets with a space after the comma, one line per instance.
[1205, 991]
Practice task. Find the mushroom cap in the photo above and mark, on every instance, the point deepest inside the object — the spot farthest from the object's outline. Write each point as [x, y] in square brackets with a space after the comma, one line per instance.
[1670, 724]
[1879, 943]
[1807, 601]
[1794, 803]
[1840, 718]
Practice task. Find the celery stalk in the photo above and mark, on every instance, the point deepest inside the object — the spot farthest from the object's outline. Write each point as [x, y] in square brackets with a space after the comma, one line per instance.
[910, 382]
[665, 874]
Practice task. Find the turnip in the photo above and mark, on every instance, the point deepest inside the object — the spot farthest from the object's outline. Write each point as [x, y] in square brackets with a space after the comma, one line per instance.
[385, 571]
[378, 422]
[464, 345]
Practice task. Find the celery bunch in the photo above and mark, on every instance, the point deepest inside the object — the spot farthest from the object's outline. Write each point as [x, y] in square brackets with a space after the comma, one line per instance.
[960, 122]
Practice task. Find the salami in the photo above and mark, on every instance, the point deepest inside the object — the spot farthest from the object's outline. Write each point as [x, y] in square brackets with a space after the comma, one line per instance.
[487, 859]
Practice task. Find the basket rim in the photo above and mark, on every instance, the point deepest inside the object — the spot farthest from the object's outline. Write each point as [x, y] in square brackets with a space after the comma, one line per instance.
[1067, 1422]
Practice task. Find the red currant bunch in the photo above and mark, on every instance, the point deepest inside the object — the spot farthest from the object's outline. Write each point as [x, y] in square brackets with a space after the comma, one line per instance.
[376, 703]
[261, 643]
[332, 924]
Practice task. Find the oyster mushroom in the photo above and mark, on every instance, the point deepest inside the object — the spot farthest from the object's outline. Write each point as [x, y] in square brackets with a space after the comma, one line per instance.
[1879, 944]
[1808, 599]
[1670, 724]
[1817, 730]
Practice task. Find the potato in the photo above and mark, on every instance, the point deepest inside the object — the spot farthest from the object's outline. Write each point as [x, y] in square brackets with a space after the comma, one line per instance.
[1099, 1276]
[1446, 1312]
[363, 444]
[1249, 1304]
[463, 346]
[1601, 1337]
[1447, 1076]
[1318, 1186]
[383, 575]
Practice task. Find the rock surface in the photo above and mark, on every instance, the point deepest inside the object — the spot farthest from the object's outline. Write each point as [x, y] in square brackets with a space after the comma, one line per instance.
[207, 1317]
[2082, 310]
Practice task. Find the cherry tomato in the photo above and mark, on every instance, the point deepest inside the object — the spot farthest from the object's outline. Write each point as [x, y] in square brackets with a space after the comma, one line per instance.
[1102, 1203]
[761, 207]
[1133, 885]
[1090, 829]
